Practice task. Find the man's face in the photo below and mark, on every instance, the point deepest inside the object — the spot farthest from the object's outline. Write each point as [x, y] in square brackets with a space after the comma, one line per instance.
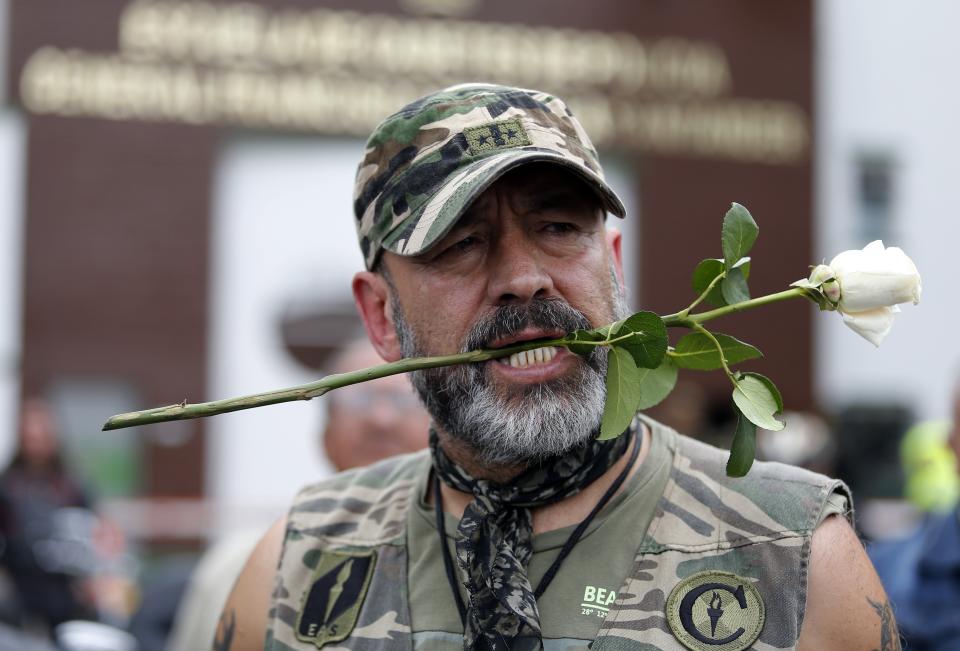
[38, 437]
[531, 259]
[373, 420]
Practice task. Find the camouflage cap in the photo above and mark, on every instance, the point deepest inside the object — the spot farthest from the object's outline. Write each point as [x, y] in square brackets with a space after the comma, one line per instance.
[425, 164]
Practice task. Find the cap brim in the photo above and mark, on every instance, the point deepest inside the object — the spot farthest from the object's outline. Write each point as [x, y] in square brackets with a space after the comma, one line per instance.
[425, 227]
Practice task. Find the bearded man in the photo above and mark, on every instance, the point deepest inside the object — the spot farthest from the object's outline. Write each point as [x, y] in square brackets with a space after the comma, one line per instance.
[481, 212]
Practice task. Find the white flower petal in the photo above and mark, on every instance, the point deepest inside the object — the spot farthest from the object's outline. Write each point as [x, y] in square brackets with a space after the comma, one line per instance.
[875, 247]
[846, 262]
[865, 290]
[872, 325]
[898, 261]
[875, 277]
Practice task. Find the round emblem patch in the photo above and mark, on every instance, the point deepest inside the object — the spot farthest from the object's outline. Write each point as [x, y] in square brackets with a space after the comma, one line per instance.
[715, 611]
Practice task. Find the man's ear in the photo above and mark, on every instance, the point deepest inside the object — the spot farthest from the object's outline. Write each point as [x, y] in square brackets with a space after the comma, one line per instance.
[374, 302]
[614, 243]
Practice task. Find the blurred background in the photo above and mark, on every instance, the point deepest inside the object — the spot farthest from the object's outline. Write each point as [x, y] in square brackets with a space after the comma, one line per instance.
[176, 224]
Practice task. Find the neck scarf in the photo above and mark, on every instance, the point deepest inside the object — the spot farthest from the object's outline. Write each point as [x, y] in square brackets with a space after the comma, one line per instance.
[493, 541]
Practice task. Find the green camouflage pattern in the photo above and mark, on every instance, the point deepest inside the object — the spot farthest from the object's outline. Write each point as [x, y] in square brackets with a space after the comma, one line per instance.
[758, 527]
[425, 164]
[361, 510]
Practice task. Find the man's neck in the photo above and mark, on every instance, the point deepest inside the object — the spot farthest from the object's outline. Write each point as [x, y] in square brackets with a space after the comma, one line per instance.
[560, 514]
[464, 455]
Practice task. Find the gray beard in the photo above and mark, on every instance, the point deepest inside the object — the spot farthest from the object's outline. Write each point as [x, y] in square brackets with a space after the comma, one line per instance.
[529, 424]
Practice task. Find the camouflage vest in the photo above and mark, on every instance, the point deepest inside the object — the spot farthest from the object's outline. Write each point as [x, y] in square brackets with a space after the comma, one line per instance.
[342, 577]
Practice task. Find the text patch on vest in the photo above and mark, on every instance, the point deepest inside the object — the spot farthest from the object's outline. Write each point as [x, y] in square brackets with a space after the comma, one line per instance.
[332, 604]
[715, 611]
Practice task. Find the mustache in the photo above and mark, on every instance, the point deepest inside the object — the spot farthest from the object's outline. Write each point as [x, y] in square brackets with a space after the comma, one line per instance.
[506, 320]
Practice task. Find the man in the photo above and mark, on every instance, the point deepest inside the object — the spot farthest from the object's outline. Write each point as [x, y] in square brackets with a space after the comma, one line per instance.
[922, 571]
[481, 214]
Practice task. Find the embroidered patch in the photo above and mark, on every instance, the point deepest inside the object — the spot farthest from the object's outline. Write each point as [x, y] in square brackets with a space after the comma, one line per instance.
[496, 135]
[332, 605]
[715, 611]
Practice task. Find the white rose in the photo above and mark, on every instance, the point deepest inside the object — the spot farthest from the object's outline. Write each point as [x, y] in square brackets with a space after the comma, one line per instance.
[875, 277]
[866, 286]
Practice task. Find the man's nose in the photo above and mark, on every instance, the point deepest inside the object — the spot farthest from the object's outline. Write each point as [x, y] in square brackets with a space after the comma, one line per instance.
[518, 274]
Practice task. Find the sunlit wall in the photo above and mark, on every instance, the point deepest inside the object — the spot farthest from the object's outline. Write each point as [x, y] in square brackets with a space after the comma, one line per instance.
[888, 139]
[11, 260]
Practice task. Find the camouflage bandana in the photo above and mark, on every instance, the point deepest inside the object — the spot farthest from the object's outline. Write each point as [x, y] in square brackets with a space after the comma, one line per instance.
[494, 539]
[424, 165]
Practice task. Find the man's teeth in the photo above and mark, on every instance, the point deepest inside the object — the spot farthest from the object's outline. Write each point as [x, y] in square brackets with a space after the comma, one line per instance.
[526, 358]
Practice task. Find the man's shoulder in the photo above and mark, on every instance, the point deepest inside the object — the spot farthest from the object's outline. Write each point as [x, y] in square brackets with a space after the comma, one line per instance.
[796, 499]
[360, 506]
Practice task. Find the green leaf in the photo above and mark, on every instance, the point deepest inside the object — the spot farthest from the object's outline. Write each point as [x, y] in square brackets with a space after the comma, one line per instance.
[743, 264]
[698, 352]
[612, 330]
[656, 383]
[623, 394]
[703, 275]
[606, 332]
[757, 402]
[744, 447]
[648, 343]
[738, 234]
[771, 387]
[734, 287]
[709, 269]
[583, 350]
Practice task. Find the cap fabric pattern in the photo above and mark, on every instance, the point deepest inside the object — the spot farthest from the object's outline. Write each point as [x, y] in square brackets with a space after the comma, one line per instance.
[425, 164]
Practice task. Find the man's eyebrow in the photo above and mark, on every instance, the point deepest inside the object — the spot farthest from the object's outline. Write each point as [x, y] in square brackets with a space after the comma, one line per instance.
[469, 217]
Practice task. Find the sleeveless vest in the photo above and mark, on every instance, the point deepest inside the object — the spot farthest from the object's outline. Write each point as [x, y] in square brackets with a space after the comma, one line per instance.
[342, 576]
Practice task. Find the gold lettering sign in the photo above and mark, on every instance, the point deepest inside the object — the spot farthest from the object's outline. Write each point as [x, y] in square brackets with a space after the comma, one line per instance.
[342, 72]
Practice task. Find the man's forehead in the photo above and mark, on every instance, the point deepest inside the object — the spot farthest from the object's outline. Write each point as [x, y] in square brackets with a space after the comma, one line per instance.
[535, 176]
[531, 183]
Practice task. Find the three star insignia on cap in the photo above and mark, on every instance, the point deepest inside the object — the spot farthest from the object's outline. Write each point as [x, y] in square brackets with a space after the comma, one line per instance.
[715, 611]
[496, 135]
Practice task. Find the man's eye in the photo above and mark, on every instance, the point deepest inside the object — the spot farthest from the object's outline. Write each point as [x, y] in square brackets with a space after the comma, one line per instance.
[466, 243]
[463, 245]
[560, 228]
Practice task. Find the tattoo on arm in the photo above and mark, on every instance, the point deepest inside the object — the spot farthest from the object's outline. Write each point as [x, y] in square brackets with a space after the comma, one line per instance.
[889, 636]
[225, 629]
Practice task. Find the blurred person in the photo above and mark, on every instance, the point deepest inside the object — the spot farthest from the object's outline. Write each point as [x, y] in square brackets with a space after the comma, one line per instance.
[195, 618]
[929, 467]
[39, 521]
[365, 423]
[686, 409]
[481, 213]
[373, 420]
[805, 441]
[921, 573]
